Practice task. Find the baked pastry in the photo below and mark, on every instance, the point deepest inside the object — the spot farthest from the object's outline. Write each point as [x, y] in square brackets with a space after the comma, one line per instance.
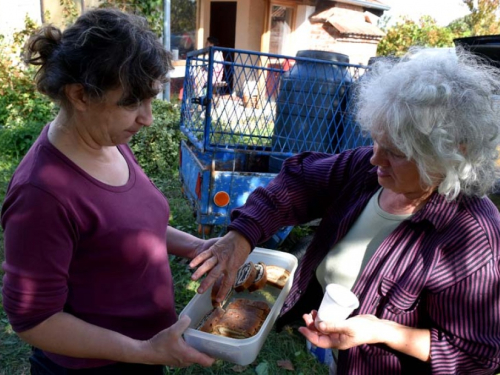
[242, 319]
[260, 278]
[277, 276]
[238, 324]
[245, 277]
[211, 319]
[243, 304]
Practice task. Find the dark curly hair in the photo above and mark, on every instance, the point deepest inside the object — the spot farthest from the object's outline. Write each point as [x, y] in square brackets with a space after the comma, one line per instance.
[103, 50]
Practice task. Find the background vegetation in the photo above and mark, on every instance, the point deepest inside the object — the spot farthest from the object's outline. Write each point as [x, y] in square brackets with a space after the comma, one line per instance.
[162, 139]
[182, 14]
[482, 20]
[24, 112]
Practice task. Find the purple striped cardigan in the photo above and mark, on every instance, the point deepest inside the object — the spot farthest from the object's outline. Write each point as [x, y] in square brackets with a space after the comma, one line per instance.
[439, 269]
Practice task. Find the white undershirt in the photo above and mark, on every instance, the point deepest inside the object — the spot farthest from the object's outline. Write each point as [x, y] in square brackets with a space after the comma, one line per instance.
[347, 259]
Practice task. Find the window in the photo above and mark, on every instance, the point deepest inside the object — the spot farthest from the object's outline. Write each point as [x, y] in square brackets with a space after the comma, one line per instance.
[183, 26]
[280, 29]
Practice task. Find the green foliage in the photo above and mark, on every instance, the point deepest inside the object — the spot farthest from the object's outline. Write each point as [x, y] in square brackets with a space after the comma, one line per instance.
[69, 11]
[23, 110]
[405, 34]
[152, 10]
[15, 140]
[182, 16]
[182, 13]
[461, 27]
[157, 147]
[287, 345]
[482, 19]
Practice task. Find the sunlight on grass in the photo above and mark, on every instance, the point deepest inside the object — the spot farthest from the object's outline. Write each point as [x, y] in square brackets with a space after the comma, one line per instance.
[287, 345]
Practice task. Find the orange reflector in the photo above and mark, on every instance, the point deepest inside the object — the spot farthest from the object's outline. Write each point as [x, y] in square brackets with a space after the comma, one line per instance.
[221, 199]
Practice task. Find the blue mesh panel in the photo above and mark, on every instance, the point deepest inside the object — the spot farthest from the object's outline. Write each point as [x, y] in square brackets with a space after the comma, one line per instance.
[270, 104]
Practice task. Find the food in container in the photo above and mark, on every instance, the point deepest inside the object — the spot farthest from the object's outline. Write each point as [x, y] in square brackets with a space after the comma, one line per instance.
[277, 276]
[241, 351]
[260, 277]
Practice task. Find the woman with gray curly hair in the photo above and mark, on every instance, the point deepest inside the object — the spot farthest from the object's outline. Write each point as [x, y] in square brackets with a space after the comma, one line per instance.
[405, 224]
[443, 116]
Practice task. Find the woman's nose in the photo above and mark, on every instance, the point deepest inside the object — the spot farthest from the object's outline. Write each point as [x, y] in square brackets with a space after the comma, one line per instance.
[145, 116]
[379, 157]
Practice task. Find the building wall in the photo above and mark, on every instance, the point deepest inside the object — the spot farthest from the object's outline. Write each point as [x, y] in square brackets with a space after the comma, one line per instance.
[248, 30]
[250, 25]
[13, 13]
[256, 25]
[359, 48]
[242, 24]
[325, 37]
[303, 29]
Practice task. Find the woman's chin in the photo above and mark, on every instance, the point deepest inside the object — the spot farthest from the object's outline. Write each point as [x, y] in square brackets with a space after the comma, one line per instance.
[386, 182]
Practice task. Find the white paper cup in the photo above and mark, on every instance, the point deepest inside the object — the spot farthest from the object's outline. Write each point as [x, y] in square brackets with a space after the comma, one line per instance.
[337, 304]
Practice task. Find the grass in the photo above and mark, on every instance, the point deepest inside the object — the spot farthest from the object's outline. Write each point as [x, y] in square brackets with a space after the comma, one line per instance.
[287, 345]
[13, 352]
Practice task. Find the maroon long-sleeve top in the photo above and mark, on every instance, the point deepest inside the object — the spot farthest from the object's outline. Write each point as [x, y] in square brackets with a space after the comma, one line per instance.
[439, 269]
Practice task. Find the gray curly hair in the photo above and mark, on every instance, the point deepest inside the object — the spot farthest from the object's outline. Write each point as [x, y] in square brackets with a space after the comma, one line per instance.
[438, 108]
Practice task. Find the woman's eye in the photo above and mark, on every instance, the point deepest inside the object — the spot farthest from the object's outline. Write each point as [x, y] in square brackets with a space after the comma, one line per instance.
[133, 106]
[396, 154]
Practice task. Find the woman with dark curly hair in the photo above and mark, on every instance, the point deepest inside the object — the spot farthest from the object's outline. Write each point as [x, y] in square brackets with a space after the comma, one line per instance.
[87, 278]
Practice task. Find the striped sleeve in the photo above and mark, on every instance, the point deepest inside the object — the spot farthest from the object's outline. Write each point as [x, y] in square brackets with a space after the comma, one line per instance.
[465, 338]
[301, 192]
[468, 315]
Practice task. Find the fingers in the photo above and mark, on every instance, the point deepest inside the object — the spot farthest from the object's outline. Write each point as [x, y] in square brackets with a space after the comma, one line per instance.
[192, 355]
[311, 336]
[181, 325]
[212, 276]
[224, 256]
[309, 319]
[188, 356]
[205, 267]
[329, 327]
[314, 314]
[200, 258]
[226, 286]
[202, 359]
[319, 339]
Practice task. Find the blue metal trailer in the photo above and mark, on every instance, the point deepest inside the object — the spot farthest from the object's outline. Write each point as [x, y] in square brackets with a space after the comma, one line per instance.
[242, 116]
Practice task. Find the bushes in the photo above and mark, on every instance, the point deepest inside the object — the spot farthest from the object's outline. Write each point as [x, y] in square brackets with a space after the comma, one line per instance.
[23, 111]
[157, 147]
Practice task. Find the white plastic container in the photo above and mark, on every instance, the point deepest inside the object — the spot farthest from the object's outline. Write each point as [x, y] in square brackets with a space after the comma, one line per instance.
[239, 351]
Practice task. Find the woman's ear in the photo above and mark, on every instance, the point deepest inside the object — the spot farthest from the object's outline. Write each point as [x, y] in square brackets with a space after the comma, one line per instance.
[77, 96]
